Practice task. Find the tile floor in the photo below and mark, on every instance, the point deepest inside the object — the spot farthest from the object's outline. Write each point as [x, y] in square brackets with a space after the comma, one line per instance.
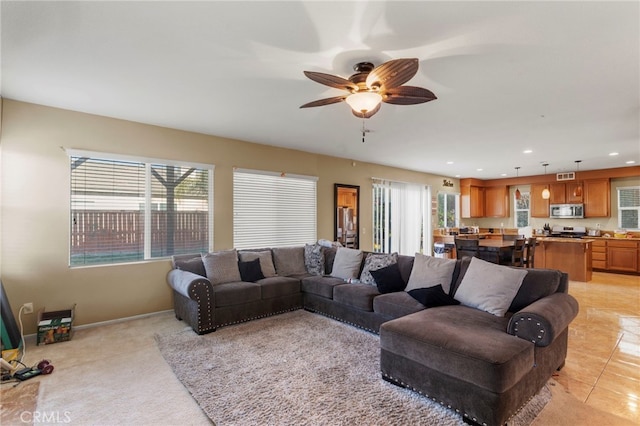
[603, 361]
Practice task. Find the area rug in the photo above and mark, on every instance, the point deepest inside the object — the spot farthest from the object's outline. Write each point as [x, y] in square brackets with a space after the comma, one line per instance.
[304, 369]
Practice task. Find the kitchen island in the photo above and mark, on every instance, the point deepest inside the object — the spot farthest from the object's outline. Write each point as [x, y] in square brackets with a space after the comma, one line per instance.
[570, 255]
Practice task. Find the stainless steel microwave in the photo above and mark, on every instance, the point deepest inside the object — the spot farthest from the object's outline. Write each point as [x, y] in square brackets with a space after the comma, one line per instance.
[566, 211]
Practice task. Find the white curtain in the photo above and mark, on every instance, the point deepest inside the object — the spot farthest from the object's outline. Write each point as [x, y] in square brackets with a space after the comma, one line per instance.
[403, 217]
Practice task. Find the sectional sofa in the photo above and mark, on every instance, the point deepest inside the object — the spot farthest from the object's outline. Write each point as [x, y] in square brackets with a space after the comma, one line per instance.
[479, 338]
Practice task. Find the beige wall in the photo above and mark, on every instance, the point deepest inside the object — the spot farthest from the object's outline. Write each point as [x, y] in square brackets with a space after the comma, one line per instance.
[34, 209]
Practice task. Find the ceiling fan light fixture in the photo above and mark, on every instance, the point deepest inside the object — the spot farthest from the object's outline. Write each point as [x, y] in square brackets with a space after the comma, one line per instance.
[363, 102]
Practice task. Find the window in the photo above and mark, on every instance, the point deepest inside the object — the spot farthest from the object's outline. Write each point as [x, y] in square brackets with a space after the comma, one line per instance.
[273, 209]
[448, 210]
[126, 210]
[400, 218]
[629, 207]
[521, 209]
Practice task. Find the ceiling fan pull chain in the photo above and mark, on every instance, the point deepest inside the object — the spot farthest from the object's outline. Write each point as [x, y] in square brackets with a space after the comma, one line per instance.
[363, 130]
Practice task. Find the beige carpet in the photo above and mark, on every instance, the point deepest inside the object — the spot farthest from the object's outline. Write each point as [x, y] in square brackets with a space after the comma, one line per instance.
[304, 369]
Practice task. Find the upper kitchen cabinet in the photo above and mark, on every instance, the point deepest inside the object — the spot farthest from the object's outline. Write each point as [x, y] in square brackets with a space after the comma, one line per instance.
[573, 192]
[597, 197]
[565, 193]
[539, 206]
[477, 201]
[496, 201]
[471, 201]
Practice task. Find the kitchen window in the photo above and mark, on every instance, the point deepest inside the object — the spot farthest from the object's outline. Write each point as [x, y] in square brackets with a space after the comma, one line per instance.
[522, 210]
[448, 210]
[629, 207]
[124, 209]
[273, 209]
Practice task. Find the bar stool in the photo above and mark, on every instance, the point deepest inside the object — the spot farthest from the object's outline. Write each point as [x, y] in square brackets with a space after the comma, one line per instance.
[529, 261]
[517, 256]
[465, 247]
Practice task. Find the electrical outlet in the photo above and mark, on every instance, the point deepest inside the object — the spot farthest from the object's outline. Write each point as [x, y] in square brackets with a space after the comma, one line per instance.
[28, 308]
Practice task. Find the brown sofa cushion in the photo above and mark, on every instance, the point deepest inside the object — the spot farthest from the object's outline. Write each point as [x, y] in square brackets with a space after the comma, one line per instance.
[321, 286]
[221, 266]
[537, 284]
[461, 342]
[358, 295]
[236, 293]
[289, 261]
[279, 286]
[395, 305]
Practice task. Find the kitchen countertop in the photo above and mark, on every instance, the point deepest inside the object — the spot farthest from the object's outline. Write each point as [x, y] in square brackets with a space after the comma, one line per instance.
[617, 239]
[566, 240]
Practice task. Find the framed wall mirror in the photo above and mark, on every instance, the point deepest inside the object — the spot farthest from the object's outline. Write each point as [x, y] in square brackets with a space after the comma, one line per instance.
[347, 215]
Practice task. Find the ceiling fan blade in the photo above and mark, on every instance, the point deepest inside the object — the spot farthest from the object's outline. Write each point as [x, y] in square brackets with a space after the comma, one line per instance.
[392, 73]
[368, 114]
[331, 80]
[326, 101]
[407, 95]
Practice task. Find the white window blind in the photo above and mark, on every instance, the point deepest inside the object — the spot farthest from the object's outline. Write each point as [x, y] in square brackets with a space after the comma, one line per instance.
[124, 210]
[629, 207]
[273, 209]
[401, 218]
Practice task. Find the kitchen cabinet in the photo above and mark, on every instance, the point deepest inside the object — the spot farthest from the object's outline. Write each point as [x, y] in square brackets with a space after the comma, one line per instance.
[539, 206]
[496, 201]
[471, 201]
[597, 198]
[565, 193]
[599, 254]
[573, 192]
[347, 199]
[622, 255]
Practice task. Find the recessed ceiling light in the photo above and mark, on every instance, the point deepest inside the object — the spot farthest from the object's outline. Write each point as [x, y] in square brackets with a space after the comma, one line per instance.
[479, 170]
[449, 162]
[527, 151]
[457, 175]
[613, 153]
[631, 162]
[503, 174]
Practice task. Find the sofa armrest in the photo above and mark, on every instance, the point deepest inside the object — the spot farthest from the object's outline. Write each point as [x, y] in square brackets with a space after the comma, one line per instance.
[543, 320]
[190, 285]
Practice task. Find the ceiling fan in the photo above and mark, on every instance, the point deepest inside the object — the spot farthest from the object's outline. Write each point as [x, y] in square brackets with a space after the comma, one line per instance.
[370, 86]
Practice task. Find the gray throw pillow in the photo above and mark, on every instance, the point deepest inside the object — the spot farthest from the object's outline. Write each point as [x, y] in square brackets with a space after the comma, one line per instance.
[346, 265]
[314, 259]
[289, 261]
[489, 287]
[428, 271]
[266, 260]
[222, 266]
[375, 261]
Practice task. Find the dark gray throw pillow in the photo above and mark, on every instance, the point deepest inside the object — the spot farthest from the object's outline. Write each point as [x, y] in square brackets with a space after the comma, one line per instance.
[434, 296]
[250, 271]
[388, 279]
[194, 265]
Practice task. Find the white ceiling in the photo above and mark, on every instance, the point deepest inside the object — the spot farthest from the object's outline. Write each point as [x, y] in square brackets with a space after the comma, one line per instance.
[559, 78]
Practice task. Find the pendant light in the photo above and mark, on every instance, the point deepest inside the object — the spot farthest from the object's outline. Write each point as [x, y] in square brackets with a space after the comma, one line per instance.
[577, 192]
[518, 194]
[545, 192]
